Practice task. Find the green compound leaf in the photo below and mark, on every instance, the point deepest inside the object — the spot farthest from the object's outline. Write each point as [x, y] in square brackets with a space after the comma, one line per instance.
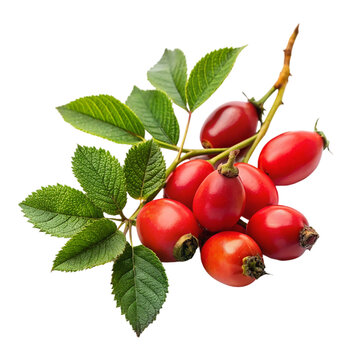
[104, 116]
[169, 75]
[139, 285]
[97, 244]
[144, 170]
[101, 177]
[208, 74]
[60, 210]
[155, 111]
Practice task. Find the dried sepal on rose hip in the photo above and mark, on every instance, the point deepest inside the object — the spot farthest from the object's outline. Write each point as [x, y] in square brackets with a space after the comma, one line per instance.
[282, 232]
[169, 229]
[232, 258]
[220, 199]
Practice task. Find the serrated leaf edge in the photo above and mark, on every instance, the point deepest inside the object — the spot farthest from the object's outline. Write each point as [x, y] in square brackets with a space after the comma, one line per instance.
[93, 245]
[137, 331]
[80, 147]
[91, 220]
[196, 104]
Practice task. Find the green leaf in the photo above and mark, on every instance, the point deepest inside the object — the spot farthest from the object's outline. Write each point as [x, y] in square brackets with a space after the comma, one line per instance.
[97, 244]
[101, 177]
[208, 74]
[144, 170]
[60, 210]
[139, 285]
[155, 111]
[169, 75]
[104, 116]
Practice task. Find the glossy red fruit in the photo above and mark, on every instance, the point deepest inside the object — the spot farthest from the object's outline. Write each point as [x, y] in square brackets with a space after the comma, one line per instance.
[232, 258]
[259, 188]
[219, 201]
[169, 229]
[229, 124]
[282, 232]
[291, 156]
[185, 180]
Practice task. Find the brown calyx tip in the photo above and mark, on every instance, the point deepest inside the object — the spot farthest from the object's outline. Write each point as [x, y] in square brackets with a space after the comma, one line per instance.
[253, 266]
[308, 237]
[206, 144]
[185, 247]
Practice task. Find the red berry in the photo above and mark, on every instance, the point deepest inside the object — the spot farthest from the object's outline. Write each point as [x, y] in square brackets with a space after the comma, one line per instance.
[169, 229]
[229, 124]
[282, 232]
[291, 156]
[185, 180]
[259, 189]
[219, 201]
[232, 258]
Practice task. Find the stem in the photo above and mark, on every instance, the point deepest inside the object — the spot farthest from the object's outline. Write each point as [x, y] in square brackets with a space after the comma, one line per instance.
[176, 161]
[123, 217]
[184, 137]
[130, 235]
[121, 224]
[167, 146]
[115, 219]
[266, 124]
[133, 216]
[262, 101]
[229, 170]
[285, 72]
[238, 146]
[126, 228]
[280, 85]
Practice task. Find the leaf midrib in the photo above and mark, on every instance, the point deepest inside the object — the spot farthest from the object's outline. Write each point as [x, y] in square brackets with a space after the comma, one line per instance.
[103, 121]
[87, 248]
[58, 213]
[161, 126]
[102, 181]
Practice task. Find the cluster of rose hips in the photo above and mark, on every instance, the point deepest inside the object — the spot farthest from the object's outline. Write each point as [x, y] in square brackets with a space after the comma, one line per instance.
[207, 206]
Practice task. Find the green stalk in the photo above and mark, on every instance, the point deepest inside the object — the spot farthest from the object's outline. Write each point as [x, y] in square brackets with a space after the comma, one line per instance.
[184, 138]
[262, 101]
[238, 146]
[266, 124]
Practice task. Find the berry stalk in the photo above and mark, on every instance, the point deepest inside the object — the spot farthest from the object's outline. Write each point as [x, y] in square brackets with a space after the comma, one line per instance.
[280, 85]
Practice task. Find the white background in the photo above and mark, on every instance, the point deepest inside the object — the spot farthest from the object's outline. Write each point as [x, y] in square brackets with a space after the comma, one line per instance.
[53, 52]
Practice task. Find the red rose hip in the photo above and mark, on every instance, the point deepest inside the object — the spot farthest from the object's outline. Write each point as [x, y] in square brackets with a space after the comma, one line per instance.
[229, 124]
[292, 156]
[232, 258]
[220, 199]
[259, 189]
[168, 228]
[185, 180]
[282, 232]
